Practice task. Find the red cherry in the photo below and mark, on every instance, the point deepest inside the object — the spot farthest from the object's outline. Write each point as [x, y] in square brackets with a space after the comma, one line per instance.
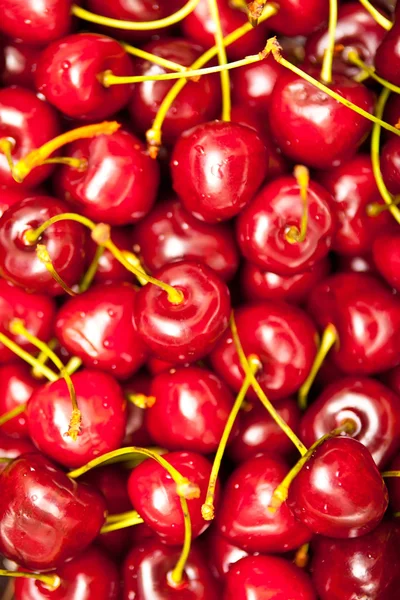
[339, 492]
[393, 485]
[11, 195]
[284, 339]
[189, 330]
[169, 233]
[355, 264]
[156, 366]
[313, 128]
[103, 409]
[221, 554]
[136, 433]
[11, 447]
[216, 169]
[68, 75]
[20, 62]
[257, 577]
[387, 57]
[35, 23]
[386, 254]
[90, 576]
[153, 494]
[252, 84]
[16, 387]
[296, 17]
[390, 165]
[98, 327]
[45, 517]
[109, 269]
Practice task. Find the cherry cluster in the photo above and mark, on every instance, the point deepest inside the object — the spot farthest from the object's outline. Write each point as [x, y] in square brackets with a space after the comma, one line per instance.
[199, 311]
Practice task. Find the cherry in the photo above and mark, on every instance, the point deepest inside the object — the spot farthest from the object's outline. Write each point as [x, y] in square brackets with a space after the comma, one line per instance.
[120, 182]
[191, 408]
[386, 254]
[27, 122]
[109, 269]
[169, 233]
[261, 576]
[35, 23]
[216, 169]
[103, 409]
[69, 73]
[367, 566]
[11, 447]
[295, 17]
[136, 433]
[146, 569]
[313, 128]
[355, 264]
[284, 339]
[264, 226]
[221, 554]
[16, 387]
[387, 57]
[45, 517]
[393, 485]
[198, 102]
[252, 85]
[20, 62]
[156, 366]
[339, 492]
[390, 165]
[153, 494]
[11, 195]
[90, 576]
[186, 331]
[98, 327]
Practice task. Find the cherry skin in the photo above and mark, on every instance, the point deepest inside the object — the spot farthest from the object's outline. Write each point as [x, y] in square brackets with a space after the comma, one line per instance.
[10, 196]
[243, 516]
[387, 57]
[11, 447]
[263, 226]
[373, 408]
[98, 327]
[295, 17]
[90, 576]
[252, 84]
[284, 339]
[393, 485]
[120, 183]
[221, 554]
[30, 123]
[187, 331]
[386, 255]
[136, 433]
[16, 387]
[103, 410]
[313, 128]
[153, 494]
[191, 409]
[20, 62]
[69, 72]
[45, 517]
[267, 577]
[355, 264]
[390, 164]
[339, 492]
[216, 169]
[109, 269]
[36, 23]
[198, 101]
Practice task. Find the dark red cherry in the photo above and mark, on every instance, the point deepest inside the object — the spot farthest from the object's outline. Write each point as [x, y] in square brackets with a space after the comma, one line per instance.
[390, 164]
[371, 406]
[37, 311]
[90, 576]
[35, 22]
[109, 269]
[339, 492]
[355, 264]
[197, 102]
[148, 565]
[69, 73]
[221, 554]
[170, 233]
[252, 84]
[295, 17]
[29, 123]
[16, 387]
[11, 447]
[267, 578]
[387, 57]
[216, 169]
[187, 331]
[98, 327]
[120, 183]
[365, 567]
[284, 339]
[393, 485]
[103, 410]
[313, 128]
[191, 408]
[386, 255]
[153, 494]
[263, 226]
[45, 517]
[11, 195]
[136, 432]
[20, 62]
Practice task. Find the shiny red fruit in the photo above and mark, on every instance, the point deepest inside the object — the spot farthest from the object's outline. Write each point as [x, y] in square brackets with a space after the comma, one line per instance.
[16, 387]
[252, 85]
[386, 254]
[109, 269]
[221, 554]
[390, 164]
[11, 447]
[20, 62]
[35, 23]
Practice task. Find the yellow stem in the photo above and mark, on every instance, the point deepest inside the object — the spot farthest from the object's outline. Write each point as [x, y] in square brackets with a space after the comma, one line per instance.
[141, 400]
[117, 517]
[73, 365]
[295, 235]
[42, 358]
[44, 257]
[376, 15]
[132, 518]
[255, 10]
[153, 58]
[302, 557]
[52, 582]
[80, 164]
[88, 277]
[6, 148]
[31, 360]
[390, 474]
[222, 60]
[326, 71]
[5, 417]
[374, 209]
[353, 57]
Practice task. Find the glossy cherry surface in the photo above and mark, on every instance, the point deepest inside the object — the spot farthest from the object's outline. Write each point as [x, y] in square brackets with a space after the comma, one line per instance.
[297, 18]
[390, 164]
[386, 254]
[10, 195]
[16, 387]
[216, 169]
[11, 447]
[387, 57]
[20, 62]
[103, 410]
[339, 492]
[252, 84]
[45, 517]
[35, 22]
[187, 331]
[221, 554]
[393, 485]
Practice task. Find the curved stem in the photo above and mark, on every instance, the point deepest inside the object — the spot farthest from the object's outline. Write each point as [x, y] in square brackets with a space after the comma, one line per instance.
[376, 15]
[222, 60]
[141, 400]
[28, 358]
[354, 58]
[73, 365]
[52, 582]
[153, 58]
[5, 417]
[6, 148]
[302, 556]
[326, 71]
[44, 257]
[295, 235]
[132, 518]
[88, 277]
[42, 357]
[390, 474]
[80, 164]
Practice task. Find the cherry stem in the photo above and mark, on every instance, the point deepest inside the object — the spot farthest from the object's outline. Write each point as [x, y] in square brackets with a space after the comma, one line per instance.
[117, 518]
[255, 10]
[5, 460]
[101, 235]
[73, 365]
[153, 58]
[354, 58]
[281, 492]
[222, 60]
[141, 400]
[376, 15]
[6, 147]
[374, 209]
[295, 235]
[301, 558]
[326, 71]
[390, 474]
[329, 338]
[44, 257]
[17, 328]
[260, 393]
[42, 358]
[88, 277]
[207, 510]
[128, 519]
[28, 358]
[52, 582]
[183, 12]
[5, 417]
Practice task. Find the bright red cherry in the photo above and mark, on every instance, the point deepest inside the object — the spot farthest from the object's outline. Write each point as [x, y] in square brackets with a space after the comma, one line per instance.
[295, 17]
[216, 169]
[170, 233]
[136, 433]
[390, 164]
[109, 269]
[386, 254]
[156, 365]
[393, 485]
[11, 195]
[252, 84]
[339, 492]
[16, 387]
[187, 331]
[20, 62]
[103, 410]
[98, 327]
[387, 57]
[11, 447]
[284, 339]
[45, 517]
[35, 22]
[69, 73]
[153, 494]
[221, 554]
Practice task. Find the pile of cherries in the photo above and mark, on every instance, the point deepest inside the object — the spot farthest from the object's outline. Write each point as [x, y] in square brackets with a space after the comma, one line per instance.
[199, 310]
